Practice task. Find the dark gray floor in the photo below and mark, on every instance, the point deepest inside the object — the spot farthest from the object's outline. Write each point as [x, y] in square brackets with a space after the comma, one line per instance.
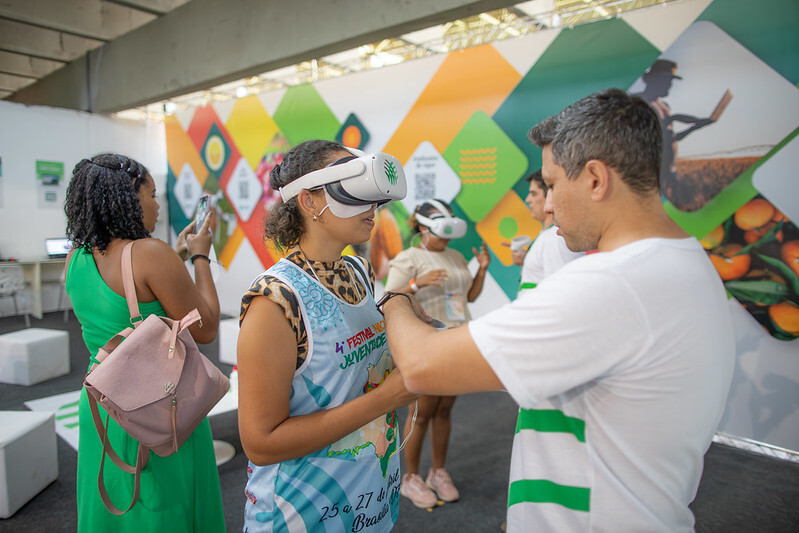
[739, 491]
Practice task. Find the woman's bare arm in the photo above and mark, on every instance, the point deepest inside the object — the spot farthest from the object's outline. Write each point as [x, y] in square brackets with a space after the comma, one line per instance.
[266, 359]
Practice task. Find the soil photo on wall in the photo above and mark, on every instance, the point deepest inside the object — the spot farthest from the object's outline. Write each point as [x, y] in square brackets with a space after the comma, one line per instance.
[700, 180]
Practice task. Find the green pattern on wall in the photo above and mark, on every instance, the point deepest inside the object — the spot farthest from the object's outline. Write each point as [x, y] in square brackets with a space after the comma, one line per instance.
[771, 33]
[579, 61]
[215, 152]
[471, 240]
[303, 115]
[487, 162]
[177, 219]
[507, 277]
[353, 133]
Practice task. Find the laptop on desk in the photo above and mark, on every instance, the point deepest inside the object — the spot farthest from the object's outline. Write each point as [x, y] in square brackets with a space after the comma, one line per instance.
[57, 248]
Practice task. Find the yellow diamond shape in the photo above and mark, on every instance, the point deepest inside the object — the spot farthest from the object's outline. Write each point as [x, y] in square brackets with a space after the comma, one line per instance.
[251, 128]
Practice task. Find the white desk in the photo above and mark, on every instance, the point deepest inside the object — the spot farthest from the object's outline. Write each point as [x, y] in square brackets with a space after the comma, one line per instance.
[36, 271]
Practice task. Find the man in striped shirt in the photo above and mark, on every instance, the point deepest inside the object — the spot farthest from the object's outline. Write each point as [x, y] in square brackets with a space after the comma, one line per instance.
[621, 360]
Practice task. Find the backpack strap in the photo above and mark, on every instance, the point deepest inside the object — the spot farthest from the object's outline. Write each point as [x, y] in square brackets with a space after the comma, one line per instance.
[142, 455]
[129, 285]
[105, 351]
[133, 303]
[102, 432]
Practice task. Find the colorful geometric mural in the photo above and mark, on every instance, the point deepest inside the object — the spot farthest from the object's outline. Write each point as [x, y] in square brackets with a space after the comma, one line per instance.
[353, 134]
[727, 109]
[464, 140]
[579, 61]
[509, 218]
[303, 115]
[471, 80]
[756, 253]
[429, 176]
[462, 137]
[487, 163]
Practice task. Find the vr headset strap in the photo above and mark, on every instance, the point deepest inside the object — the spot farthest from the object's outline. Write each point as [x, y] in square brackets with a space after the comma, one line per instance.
[323, 176]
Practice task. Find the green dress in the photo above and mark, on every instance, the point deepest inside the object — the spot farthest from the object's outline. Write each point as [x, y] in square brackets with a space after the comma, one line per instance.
[179, 492]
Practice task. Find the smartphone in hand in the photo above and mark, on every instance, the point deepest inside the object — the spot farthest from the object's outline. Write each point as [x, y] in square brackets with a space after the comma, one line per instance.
[202, 211]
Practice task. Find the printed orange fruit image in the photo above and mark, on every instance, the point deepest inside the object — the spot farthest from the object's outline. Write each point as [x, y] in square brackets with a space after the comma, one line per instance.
[764, 279]
[790, 254]
[728, 264]
[713, 239]
[763, 274]
[754, 235]
[754, 214]
[785, 316]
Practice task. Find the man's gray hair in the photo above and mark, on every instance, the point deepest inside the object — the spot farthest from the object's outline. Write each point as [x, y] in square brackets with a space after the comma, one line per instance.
[612, 126]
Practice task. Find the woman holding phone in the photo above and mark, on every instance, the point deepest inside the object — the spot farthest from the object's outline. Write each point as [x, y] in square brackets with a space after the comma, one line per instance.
[111, 201]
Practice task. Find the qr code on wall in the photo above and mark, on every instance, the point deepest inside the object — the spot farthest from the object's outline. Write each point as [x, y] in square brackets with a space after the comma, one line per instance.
[425, 185]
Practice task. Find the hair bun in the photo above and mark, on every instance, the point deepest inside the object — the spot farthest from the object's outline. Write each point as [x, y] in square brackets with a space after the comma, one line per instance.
[275, 179]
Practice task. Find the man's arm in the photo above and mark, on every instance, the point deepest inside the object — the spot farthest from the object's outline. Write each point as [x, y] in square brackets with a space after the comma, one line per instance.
[444, 363]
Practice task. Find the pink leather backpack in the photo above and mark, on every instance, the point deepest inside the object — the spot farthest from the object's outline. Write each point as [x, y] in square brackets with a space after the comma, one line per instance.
[156, 385]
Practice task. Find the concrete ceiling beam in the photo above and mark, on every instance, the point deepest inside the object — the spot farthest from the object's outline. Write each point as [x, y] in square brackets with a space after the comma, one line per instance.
[205, 43]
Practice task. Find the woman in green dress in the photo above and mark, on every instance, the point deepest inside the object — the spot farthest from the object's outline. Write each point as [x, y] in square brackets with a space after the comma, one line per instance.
[111, 200]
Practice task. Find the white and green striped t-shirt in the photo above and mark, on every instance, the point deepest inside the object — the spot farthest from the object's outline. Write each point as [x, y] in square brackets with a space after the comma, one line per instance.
[621, 363]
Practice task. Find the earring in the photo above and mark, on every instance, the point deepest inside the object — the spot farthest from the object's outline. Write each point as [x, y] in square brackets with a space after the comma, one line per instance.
[320, 213]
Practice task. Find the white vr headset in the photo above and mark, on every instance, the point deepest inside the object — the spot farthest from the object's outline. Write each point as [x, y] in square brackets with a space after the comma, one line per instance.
[443, 226]
[361, 179]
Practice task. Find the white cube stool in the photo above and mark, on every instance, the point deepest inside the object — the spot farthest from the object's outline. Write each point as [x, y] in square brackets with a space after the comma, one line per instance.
[228, 338]
[33, 355]
[28, 457]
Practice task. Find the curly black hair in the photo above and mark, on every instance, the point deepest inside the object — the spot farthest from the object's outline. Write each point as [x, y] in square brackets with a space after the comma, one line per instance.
[283, 224]
[102, 202]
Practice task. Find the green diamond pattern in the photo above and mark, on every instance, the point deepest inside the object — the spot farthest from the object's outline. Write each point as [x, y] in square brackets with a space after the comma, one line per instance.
[487, 162]
[215, 136]
[303, 115]
[771, 34]
[352, 120]
[579, 62]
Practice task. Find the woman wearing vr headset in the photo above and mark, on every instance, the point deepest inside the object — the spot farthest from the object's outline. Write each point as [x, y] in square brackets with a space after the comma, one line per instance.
[317, 397]
[440, 279]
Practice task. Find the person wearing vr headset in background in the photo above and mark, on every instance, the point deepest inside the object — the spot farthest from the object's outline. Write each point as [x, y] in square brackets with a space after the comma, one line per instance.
[317, 396]
[440, 279]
